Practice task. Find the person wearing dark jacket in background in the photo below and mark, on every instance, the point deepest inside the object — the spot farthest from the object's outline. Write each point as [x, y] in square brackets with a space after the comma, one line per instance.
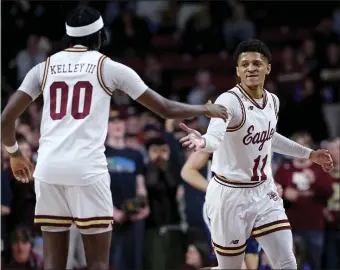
[163, 240]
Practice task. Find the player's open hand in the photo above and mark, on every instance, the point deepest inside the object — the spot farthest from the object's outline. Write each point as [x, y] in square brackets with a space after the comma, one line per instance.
[216, 111]
[323, 158]
[193, 140]
[22, 167]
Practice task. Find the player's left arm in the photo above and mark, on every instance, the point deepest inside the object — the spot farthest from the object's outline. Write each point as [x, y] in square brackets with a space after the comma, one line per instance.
[285, 146]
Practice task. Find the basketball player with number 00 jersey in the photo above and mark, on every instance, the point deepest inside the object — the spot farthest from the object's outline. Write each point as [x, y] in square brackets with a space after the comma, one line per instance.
[72, 183]
[242, 198]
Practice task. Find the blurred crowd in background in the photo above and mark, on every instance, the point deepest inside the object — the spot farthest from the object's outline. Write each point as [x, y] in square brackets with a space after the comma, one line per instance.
[183, 50]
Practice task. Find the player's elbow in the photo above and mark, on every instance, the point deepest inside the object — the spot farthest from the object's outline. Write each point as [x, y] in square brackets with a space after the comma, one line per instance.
[166, 112]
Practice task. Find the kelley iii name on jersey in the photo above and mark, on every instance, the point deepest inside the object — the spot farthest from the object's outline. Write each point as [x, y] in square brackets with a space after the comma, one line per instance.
[72, 68]
[258, 137]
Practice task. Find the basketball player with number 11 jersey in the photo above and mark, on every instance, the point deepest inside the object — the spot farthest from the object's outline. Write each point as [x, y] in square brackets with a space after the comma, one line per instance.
[242, 198]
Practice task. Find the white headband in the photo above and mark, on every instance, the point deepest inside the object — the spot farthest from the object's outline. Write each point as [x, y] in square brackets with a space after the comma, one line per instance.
[86, 30]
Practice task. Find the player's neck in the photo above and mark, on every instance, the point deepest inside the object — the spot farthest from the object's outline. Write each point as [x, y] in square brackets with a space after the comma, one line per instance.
[256, 93]
[117, 143]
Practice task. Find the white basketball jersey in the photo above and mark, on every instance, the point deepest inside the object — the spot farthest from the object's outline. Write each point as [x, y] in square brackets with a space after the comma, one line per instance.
[245, 153]
[74, 119]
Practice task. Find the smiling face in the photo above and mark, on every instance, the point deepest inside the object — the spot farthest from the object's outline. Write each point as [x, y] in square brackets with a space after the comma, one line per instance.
[252, 68]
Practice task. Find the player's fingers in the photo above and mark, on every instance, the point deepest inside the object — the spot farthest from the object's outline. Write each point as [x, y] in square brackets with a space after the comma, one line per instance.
[186, 144]
[24, 175]
[28, 174]
[184, 139]
[191, 146]
[185, 127]
[18, 175]
[224, 112]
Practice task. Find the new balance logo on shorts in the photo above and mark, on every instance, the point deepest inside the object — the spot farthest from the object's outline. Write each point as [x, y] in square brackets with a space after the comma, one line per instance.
[234, 242]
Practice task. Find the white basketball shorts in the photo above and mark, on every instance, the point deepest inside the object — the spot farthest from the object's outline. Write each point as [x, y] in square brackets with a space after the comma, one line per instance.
[237, 212]
[89, 207]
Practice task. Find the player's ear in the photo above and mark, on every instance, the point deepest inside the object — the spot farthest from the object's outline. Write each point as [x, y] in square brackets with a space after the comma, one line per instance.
[269, 68]
[237, 72]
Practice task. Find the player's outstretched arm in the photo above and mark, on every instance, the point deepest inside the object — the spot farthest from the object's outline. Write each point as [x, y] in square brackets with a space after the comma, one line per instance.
[285, 146]
[170, 109]
[119, 76]
[190, 171]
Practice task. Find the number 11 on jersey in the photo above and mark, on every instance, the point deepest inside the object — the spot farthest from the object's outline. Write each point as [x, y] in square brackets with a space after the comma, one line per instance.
[262, 176]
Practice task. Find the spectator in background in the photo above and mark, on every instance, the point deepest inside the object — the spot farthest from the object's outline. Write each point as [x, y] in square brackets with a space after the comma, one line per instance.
[29, 57]
[168, 23]
[307, 110]
[163, 239]
[203, 89]
[23, 256]
[129, 194]
[200, 37]
[330, 79]
[130, 34]
[332, 214]
[155, 77]
[238, 28]
[325, 34]
[197, 255]
[6, 202]
[309, 58]
[290, 72]
[306, 189]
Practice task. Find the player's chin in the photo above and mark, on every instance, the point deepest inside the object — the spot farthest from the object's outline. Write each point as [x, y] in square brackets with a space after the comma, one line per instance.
[253, 82]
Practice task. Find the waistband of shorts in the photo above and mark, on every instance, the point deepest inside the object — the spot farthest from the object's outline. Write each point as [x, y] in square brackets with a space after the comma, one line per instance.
[236, 184]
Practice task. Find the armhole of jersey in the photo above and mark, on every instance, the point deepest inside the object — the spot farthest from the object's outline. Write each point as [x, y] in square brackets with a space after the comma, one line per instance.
[43, 83]
[275, 106]
[244, 116]
[99, 75]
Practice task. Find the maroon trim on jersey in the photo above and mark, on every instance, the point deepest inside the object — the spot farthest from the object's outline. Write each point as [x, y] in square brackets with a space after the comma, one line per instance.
[244, 115]
[275, 106]
[271, 227]
[252, 100]
[47, 65]
[229, 251]
[100, 77]
[229, 183]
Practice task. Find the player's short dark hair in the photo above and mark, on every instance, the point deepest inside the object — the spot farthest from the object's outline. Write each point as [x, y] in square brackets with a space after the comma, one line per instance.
[80, 17]
[253, 45]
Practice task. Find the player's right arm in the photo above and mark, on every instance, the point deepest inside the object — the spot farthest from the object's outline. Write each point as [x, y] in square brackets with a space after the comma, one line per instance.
[190, 171]
[17, 104]
[119, 76]
[210, 141]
